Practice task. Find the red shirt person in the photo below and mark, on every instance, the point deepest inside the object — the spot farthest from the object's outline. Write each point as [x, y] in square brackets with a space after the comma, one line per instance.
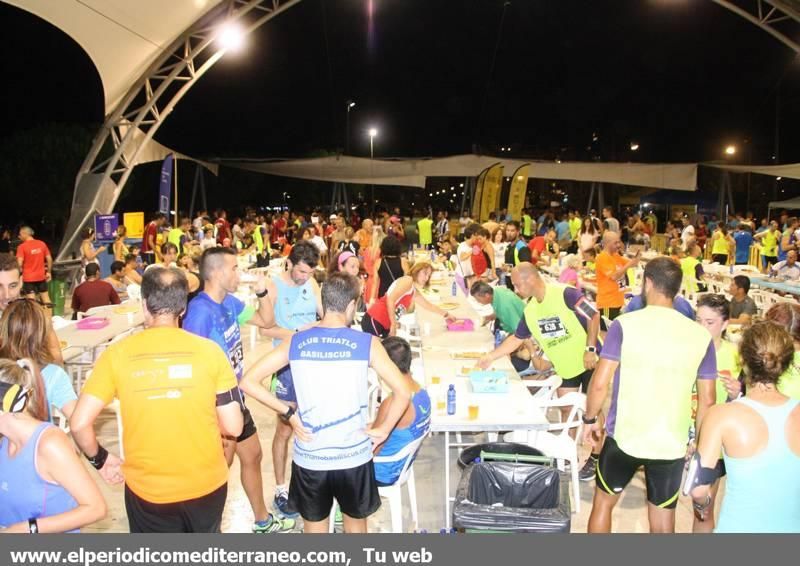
[35, 262]
[93, 292]
[150, 237]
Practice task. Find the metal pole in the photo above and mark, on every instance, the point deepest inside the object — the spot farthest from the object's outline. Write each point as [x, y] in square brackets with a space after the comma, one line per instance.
[372, 173]
[175, 180]
[347, 131]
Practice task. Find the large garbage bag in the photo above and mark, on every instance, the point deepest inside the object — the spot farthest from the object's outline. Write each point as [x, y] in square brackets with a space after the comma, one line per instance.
[507, 497]
[471, 453]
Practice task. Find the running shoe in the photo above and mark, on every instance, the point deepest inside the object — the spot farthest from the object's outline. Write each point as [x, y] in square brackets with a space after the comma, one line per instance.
[589, 469]
[282, 507]
[274, 524]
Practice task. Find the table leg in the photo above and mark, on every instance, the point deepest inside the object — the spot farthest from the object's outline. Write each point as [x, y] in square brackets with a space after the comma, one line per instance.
[447, 480]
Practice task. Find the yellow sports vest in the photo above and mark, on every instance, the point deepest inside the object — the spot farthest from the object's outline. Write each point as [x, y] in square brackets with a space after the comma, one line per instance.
[720, 246]
[557, 330]
[688, 266]
[653, 402]
[526, 226]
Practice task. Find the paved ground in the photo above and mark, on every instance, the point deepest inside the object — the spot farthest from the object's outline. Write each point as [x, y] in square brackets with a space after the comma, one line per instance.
[630, 515]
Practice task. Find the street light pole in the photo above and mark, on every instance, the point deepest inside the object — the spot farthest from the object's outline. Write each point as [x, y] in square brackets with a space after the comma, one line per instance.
[372, 133]
[350, 105]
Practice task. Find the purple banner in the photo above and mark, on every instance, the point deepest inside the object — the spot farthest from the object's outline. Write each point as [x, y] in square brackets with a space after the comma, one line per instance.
[105, 225]
[165, 186]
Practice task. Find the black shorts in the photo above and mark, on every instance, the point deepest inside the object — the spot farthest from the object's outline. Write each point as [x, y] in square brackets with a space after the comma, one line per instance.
[312, 492]
[611, 312]
[721, 259]
[201, 515]
[615, 470]
[580, 380]
[249, 428]
[32, 287]
[149, 257]
[372, 326]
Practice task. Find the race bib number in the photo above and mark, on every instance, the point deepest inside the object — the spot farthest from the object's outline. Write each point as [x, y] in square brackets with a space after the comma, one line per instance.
[552, 327]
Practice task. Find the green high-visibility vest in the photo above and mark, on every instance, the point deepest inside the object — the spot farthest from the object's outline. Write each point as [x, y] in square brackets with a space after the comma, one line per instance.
[689, 268]
[557, 330]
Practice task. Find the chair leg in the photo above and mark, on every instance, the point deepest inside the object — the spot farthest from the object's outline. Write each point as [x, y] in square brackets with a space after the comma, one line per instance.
[332, 517]
[412, 498]
[576, 487]
[396, 505]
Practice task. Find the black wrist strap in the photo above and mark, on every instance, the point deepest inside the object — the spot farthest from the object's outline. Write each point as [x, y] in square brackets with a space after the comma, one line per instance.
[99, 459]
[262, 294]
[33, 526]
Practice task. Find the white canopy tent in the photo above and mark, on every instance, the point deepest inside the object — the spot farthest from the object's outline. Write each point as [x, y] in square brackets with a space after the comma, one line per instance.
[413, 172]
[790, 204]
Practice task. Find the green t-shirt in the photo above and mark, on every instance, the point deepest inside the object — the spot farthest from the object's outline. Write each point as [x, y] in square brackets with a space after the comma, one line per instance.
[174, 237]
[769, 243]
[508, 308]
[527, 226]
[425, 233]
[574, 227]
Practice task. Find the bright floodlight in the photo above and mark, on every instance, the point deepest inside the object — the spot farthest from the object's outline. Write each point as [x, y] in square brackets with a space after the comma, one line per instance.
[231, 37]
[730, 150]
[634, 147]
[373, 132]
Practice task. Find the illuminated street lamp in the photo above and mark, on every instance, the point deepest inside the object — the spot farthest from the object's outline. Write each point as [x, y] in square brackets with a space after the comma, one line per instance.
[730, 150]
[231, 37]
[634, 146]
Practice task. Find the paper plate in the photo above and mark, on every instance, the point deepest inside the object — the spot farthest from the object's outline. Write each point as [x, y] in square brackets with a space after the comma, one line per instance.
[466, 355]
[448, 306]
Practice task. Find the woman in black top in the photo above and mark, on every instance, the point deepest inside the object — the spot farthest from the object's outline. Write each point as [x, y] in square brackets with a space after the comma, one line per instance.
[390, 266]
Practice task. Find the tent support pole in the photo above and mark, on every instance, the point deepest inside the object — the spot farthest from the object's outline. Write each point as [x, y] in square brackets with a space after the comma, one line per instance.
[195, 183]
[591, 199]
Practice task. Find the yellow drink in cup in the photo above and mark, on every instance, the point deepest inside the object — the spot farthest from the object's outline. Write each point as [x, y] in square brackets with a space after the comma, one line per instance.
[435, 380]
[473, 411]
[441, 405]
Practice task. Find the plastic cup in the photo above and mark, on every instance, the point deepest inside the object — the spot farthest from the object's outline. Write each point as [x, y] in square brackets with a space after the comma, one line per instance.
[441, 406]
[472, 410]
[435, 380]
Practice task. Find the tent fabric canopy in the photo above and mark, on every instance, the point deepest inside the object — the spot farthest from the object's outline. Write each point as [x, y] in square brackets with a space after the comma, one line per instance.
[790, 170]
[792, 204]
[413, 172]
[122, 38]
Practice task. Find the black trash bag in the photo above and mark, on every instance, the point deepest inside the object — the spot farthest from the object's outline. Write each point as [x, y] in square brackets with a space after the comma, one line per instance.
[469, 454]
[531, 498]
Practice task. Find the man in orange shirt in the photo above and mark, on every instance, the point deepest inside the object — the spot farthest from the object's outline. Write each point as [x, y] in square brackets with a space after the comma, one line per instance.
[178, 396]
[611, 268]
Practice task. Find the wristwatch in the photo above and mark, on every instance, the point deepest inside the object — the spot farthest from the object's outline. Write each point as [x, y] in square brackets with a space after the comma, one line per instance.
[288, 414]
[589, 421]
[262, 294]
[591, 349]
[33, 526]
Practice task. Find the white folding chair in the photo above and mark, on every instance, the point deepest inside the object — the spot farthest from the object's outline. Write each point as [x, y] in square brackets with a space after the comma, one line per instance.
[374, 394]
[556, 441]
[543, 389]
[394, 492]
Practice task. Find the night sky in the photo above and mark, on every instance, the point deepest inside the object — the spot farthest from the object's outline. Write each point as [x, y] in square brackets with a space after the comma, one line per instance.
[682, 78]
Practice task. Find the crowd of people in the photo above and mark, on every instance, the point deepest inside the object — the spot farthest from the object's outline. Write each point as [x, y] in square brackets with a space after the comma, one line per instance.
[183, 390]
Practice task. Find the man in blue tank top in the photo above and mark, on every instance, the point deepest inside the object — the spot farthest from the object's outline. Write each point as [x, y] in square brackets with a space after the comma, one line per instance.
[295, 297]
[333, 446]
[413, 425]
[217, 314]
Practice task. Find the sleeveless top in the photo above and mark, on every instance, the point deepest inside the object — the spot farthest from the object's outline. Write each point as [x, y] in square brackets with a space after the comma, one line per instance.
[23, 493]
[295, 306]
[390, 270]
[197, 291]
[387, 473]
[762, 493]
[380, 310]
[720, 246]
[329, 371]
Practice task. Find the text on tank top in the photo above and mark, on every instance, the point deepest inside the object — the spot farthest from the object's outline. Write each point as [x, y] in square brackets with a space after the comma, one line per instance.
[329, 370]
[295, 306]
